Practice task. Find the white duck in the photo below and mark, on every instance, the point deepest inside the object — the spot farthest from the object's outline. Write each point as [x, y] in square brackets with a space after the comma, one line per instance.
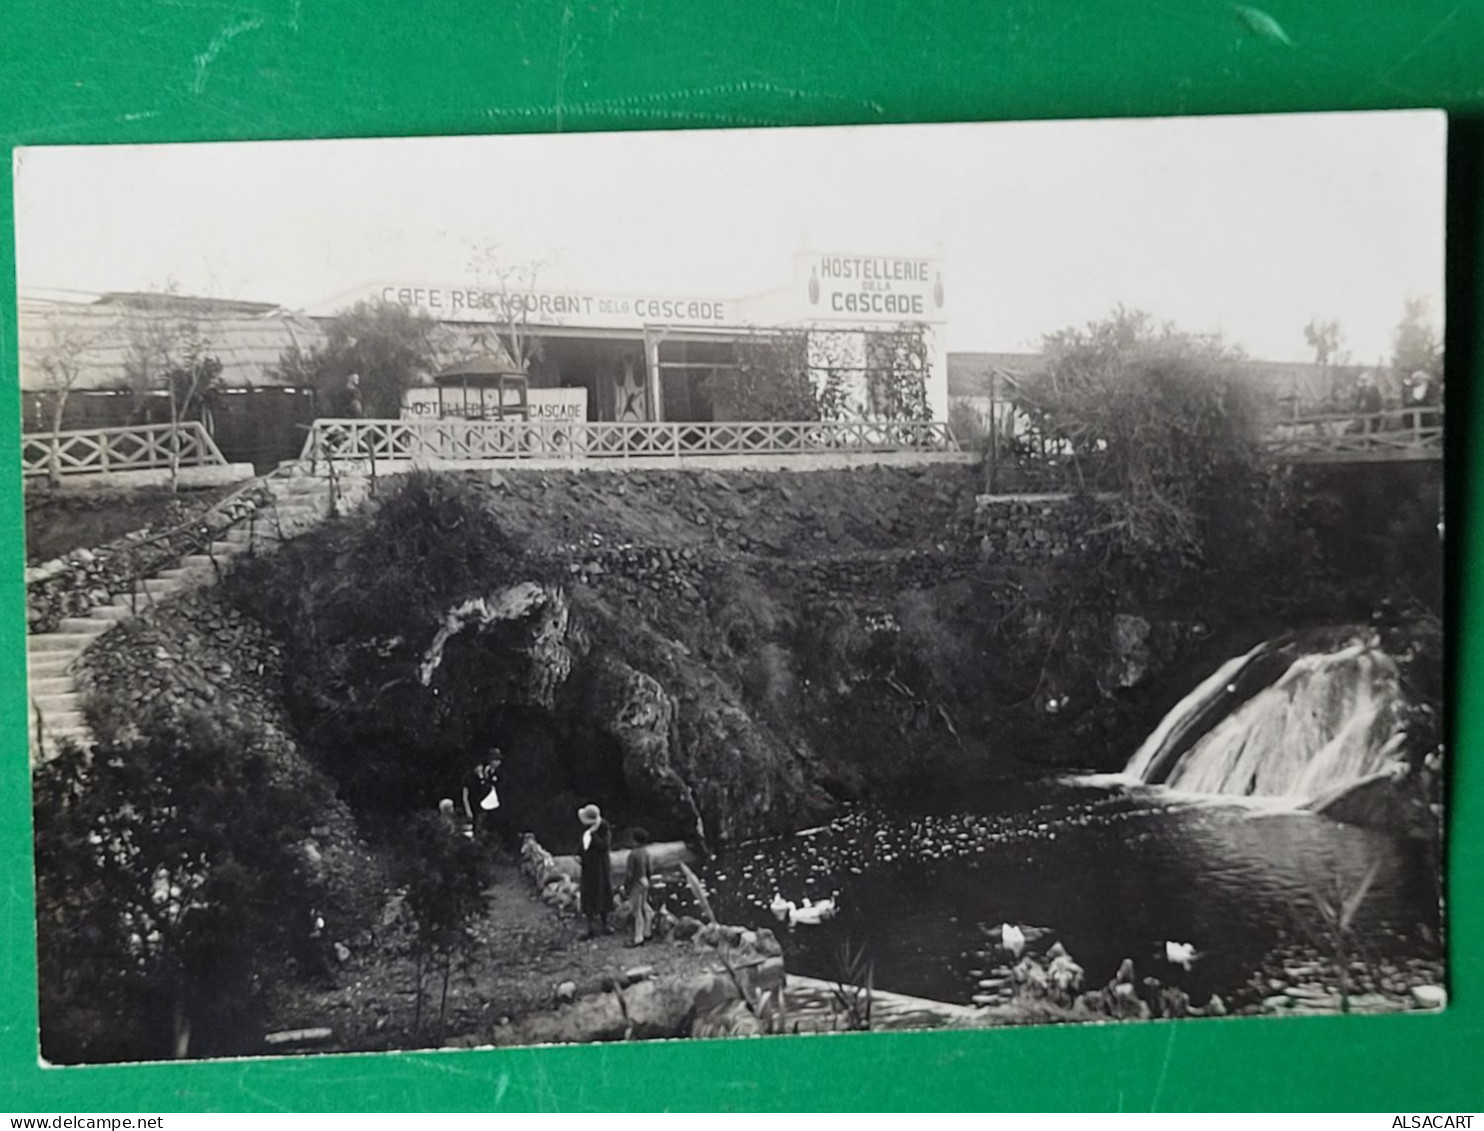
[1012, 938]
[1180, 954]
[810, 914]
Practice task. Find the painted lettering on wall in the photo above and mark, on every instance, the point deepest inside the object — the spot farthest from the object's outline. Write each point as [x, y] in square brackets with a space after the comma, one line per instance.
[568, 406]
[874, 287]
[554, 307]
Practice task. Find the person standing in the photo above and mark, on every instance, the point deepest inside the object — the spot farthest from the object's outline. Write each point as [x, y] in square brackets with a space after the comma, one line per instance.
[638, 878]
[597, 877]
[1369, 401]
[449, 819]
[480, 797]
[351, 403]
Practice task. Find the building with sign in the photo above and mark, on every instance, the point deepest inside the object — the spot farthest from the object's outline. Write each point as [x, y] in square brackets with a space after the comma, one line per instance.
[867, 328]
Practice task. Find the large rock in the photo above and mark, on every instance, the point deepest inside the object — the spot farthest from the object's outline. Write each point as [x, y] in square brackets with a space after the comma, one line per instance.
[1392, 801]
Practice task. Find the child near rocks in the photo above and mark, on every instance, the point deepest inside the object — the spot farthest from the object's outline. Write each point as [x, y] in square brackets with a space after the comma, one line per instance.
[638, 878]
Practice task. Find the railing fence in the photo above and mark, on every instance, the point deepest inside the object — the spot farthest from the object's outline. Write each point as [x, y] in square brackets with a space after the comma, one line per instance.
[455, 440]
[96, 451]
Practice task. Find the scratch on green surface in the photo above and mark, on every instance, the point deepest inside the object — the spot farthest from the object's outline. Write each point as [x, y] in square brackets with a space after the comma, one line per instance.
[1261, 24]
[1164, 1070]
[220, 40]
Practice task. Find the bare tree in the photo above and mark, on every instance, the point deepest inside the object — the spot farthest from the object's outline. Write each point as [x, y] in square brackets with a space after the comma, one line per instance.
[510, 282]
[168, 352]
[1324, 338]
[1416, 343]
[59, 357]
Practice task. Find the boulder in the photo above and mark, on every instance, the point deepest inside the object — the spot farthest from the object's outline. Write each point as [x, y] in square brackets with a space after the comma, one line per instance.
[1387, 800]
[1430, 997]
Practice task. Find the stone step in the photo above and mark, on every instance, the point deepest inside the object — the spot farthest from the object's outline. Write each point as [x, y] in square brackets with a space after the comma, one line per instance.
[222, 550]
[51, 684]
[306, 485]
[43, 665]
[54, 704]
[83, 625]
[64, 642]
[158, 586]
[111, 612]
[185, 574]
[243, 539]
[61, 721]
[198, 561]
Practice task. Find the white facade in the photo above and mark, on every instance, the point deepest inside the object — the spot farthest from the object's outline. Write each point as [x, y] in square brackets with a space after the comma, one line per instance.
[640, 355]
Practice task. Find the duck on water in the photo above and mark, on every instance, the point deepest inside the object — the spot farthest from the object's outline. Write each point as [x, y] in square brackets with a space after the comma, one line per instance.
[1203, 843]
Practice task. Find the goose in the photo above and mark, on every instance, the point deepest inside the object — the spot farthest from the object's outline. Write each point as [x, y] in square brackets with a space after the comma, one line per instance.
[1012, 938]
[1180, 954]
[812, 914]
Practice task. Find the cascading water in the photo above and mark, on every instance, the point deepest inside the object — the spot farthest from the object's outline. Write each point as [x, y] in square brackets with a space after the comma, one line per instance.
[1329, 720]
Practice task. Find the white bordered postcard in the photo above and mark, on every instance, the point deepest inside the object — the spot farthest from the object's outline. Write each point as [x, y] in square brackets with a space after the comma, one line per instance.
[500, 591]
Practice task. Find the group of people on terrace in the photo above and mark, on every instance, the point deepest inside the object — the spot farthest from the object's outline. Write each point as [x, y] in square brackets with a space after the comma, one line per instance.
[1417, 404]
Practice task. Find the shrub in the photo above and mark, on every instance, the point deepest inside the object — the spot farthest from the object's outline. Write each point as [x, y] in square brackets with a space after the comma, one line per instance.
[168, 875]
[1162, 420]
[443, 874]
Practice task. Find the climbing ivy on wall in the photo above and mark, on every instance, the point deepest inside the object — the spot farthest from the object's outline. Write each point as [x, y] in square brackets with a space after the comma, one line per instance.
[831, 375]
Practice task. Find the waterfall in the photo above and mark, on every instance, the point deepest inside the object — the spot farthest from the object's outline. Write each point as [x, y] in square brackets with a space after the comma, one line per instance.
[1190, 718]
[1329, 720]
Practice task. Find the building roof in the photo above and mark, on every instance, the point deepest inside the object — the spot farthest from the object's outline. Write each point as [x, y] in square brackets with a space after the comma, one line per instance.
[480, 369]
[248, 342]
[969, 373]
[155, 300]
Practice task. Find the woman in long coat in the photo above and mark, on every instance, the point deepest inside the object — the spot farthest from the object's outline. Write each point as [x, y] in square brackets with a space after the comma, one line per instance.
[597, 876]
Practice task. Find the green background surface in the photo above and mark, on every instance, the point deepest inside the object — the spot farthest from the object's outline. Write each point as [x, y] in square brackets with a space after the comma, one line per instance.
[182, 70]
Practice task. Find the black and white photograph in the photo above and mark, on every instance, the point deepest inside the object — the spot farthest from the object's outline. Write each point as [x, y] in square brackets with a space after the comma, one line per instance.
[573, 588]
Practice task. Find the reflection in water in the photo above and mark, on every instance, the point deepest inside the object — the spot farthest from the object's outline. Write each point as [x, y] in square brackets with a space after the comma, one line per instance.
[1111, 874]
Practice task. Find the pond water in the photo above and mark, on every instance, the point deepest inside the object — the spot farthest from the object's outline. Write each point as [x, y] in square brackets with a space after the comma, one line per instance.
[1111, 870]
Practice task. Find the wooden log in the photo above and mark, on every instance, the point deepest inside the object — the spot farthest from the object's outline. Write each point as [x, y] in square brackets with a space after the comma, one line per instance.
[666, 856]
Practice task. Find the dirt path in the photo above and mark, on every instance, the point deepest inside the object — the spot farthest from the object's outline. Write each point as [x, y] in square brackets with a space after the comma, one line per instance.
[523, 953]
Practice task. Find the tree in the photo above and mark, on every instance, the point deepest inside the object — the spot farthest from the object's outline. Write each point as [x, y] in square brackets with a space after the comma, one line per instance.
[168, 880]
[169, 352]
[390, 346]
[510, 282]
[1324, 338]
[1415, 345]
[59, 357]
[1160, 419]
[443, 875]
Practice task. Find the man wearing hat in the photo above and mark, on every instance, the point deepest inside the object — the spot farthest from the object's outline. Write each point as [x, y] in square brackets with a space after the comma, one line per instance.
[597, 878]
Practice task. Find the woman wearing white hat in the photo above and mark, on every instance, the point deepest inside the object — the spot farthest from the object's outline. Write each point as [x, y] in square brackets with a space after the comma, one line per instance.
[597, 878]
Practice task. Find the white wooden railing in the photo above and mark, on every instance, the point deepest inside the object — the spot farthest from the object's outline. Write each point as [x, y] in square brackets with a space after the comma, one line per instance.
[1349, 437]
[94, 451]
[381, 440]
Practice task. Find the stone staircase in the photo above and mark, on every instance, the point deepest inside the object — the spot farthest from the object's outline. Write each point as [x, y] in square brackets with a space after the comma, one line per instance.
[299, 503]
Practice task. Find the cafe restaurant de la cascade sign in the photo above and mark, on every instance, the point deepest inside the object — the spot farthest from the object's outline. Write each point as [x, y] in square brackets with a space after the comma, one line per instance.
[827, 289]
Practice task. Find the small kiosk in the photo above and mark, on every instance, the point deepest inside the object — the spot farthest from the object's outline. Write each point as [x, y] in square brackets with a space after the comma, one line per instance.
[483, 388]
